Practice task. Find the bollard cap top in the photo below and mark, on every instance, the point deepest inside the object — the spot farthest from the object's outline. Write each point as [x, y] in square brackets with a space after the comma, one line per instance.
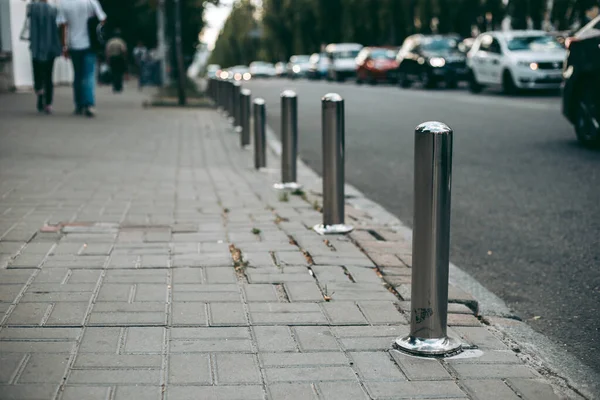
[245, 92]
[332, 98]
[288, 93]
[259, 102]
[236, 83]
[437, 128]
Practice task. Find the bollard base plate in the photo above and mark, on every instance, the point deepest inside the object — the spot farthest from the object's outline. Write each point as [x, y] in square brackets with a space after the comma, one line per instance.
[291, 186]
[337, 229]
[444, 347]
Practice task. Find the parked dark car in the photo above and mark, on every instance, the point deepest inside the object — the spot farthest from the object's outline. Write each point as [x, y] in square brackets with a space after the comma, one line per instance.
[376, 64]
[581, 88]
[431, 59]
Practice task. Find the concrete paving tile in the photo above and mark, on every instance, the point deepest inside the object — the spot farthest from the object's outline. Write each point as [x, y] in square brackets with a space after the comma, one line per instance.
[274, 338]
[44, 368]
[29, 391]
[300, 291]
[260, 292]
[376, 366]
[189, 313]
[488, 389]
[411, 390]
[315, 338]
[115, 377]
[493, 371]
[243, 392]
[344, 313]
[116, 361]
[531, 389]
[123, 313]
[227, 314]
[189, 369]
[286, 313]
[341, 391]
[292, 391]
[236, 368]
[206, 293]
[304, 359]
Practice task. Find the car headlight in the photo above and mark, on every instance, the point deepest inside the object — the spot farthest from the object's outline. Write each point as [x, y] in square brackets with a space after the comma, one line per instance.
[528, 64]
[247, 76]
[296, 68]
[437, 62]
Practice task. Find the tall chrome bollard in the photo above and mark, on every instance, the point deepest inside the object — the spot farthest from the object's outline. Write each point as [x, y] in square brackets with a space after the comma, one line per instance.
[230, 101]
[332, 106]
[260, 142]
[245, 117]
[236, 114]
[289, 141]
[218, 94]
[431, 244]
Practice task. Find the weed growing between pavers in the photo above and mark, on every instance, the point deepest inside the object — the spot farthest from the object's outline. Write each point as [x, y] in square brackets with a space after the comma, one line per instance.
[284, 197]
[256, 231]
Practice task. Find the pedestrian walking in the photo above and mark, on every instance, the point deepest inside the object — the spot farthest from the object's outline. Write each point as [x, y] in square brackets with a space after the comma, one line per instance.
[45, 47]
[140, 55]
[116, 54]
[76, 18]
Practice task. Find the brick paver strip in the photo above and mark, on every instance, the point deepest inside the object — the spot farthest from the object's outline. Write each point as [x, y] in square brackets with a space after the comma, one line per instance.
[141, 257]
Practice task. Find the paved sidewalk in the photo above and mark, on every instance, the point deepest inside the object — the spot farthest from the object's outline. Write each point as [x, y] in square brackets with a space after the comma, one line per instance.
[141, 257]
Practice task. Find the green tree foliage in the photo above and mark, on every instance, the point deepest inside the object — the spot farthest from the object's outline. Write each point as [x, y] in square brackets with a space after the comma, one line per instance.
[304, 26]
[237, 42]
[137, 20]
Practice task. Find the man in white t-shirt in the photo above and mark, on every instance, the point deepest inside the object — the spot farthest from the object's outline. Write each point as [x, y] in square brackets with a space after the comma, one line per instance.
[73, 18]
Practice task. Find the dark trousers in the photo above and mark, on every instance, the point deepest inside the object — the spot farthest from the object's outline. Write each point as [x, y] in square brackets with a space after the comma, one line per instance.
[42, 79]
[117, 69]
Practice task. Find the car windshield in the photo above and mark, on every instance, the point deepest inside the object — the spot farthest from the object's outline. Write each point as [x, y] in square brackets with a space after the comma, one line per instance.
[533, 43]
[383, 54]
[346, 54]
[440, 44]
[300, 59]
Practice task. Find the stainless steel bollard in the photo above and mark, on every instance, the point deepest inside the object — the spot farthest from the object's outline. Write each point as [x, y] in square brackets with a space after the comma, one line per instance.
[237, 87]
[245, 116]
[230, 101]
[431, 244]
[289, 142]
[260, 142]
[332, 106]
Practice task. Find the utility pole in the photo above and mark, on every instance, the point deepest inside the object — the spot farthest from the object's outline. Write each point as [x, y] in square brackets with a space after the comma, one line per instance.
[162, 43]
[179, 55]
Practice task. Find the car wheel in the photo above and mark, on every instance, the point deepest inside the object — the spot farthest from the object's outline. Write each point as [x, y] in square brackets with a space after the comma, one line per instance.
[372, 80]
[452, 84]
[427, 80]
[474, 86]
[403, 80]
[587, 121]
[508, 84]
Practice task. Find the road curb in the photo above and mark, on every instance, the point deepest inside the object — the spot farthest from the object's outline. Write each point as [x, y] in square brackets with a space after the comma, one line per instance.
[547, 357]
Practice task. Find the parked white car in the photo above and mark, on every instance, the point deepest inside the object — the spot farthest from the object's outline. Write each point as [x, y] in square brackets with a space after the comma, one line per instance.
[342, 60]
[261, 69]
[516, 60]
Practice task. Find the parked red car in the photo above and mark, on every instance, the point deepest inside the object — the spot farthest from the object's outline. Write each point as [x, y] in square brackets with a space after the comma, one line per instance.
[376, 64]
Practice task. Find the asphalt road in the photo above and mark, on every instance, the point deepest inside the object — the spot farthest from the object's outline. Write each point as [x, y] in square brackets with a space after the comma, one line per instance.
[525, 200]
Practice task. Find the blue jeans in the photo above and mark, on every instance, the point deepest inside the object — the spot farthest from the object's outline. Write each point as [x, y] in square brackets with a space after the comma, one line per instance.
[84, 83]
